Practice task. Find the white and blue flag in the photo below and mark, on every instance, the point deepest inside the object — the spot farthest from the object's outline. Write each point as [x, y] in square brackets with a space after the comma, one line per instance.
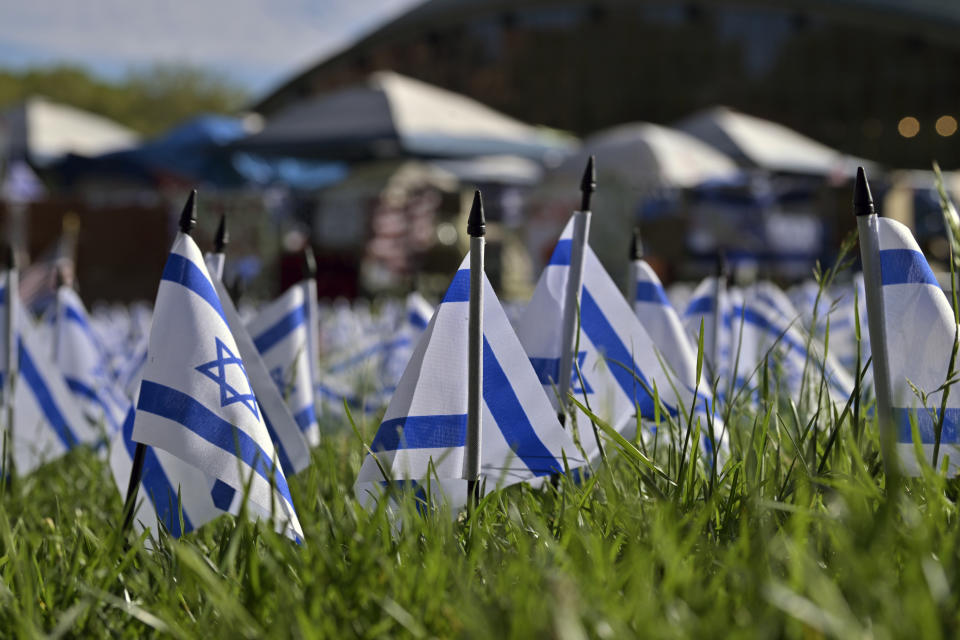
[416, 317]
[704, 309]
[920, 330]
[196, 401]
[662, 322]
[424, 428]
[47, 421]
[85, 363]
[616, 358]
[280, 334]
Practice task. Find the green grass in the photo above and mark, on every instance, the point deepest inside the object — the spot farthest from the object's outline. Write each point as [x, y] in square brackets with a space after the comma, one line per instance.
[783, 541]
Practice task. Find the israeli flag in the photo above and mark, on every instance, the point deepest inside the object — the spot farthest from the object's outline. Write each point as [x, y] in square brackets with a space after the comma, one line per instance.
[616, 365]
[662, 322]
[47, 422]
[702, 308]
[920, 330]
[84, 362]
[761, 331]
[280, 334]
[196, 401]
[424, 429]
[415, 320]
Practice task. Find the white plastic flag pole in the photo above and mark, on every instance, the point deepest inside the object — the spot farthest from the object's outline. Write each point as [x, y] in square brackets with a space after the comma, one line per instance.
[476, 229]
[188, 220]
[313, 320]
[870, 256]
[571, 301]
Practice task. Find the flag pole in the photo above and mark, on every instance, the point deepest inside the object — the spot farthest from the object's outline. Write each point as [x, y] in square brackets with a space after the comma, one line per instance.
[220, 242]
[476, 229]
[571, 301]
[309, 280]
[723, 272]
[869, 232]
[13, 359]
[636, 255]
[188, 220]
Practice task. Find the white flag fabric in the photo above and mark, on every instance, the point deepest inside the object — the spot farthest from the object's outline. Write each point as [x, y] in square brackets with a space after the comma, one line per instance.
[196, 401]
[416, 317]
[702, 308]
[47, 421]
[662, 322]
[85, 363]
[920, 330]
[616, 358]
[425, 424]
[280, 333]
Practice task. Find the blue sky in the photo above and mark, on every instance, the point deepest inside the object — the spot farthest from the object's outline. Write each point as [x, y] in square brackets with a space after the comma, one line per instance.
[255, 43]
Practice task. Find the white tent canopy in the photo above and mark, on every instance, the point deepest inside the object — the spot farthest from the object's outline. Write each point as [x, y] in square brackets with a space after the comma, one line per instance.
[647, 156]
[42, 131]
[755, 142]
[389, 115]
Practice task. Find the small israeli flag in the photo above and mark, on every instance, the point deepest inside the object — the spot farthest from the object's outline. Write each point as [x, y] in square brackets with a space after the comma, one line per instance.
[416, 317]
[196, 401]
[760, 330]
[702, 308]
[85, 363]
[920, 331]
[280, 334]
[616, 364]
[424, 429]
[47, 422]
[662, 322]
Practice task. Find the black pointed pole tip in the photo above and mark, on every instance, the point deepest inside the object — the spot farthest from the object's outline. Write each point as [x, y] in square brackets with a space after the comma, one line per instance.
[862, 198]
[476, 223]
[309, 263]
[222, 238]
[188, 217]
[723, 266]
[636, 245]
[588, 184]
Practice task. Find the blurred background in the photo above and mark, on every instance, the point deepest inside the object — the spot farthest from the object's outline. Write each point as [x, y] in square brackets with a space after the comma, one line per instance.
[361, 128]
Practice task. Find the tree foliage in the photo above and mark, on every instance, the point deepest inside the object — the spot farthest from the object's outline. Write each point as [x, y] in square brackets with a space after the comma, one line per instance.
[148, 100]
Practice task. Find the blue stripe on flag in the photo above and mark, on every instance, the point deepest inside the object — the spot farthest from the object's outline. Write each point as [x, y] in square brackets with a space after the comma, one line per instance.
[306, 417]
[417, 320]
[703, 304]
[160, 491]
[561, 253]
[926, 426]
[31, 375]
[459, 289]
[177, 406]
[421, 432]
[182, 271]
[625, 371]
[280, 329]
[905, 266]
[511, 419]
[651, 292]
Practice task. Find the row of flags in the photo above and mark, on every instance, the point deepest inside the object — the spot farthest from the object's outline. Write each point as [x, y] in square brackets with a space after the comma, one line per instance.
[212, 410]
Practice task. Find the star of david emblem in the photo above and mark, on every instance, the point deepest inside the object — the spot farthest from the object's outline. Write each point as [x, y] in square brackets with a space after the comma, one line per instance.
[216, 370]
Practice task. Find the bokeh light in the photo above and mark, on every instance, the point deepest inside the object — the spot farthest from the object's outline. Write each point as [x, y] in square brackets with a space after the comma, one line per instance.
[908, 127]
